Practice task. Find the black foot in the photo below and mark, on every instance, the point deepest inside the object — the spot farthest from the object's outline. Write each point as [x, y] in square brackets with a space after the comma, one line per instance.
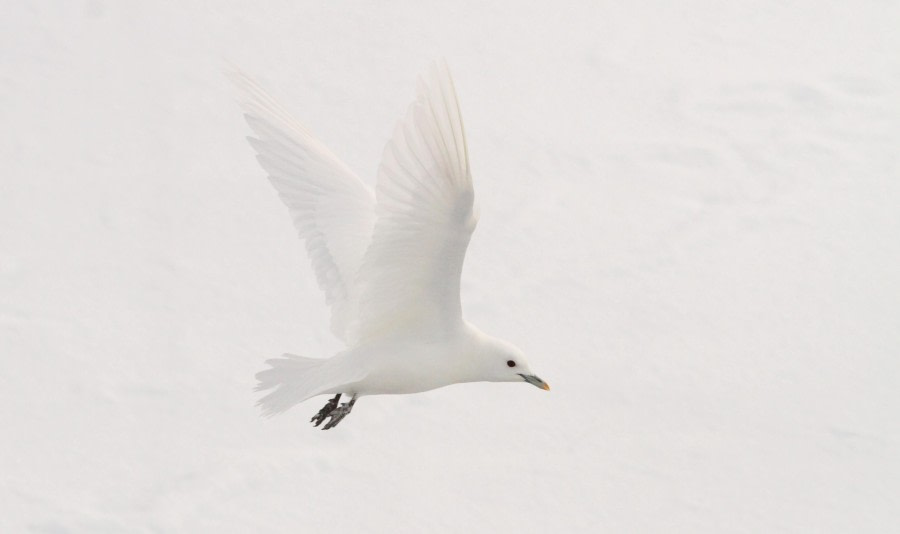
[326, 410]
[338, 414]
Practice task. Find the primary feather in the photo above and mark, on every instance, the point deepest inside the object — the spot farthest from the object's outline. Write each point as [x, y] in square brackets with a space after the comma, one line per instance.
[409, 280]
[332, 209]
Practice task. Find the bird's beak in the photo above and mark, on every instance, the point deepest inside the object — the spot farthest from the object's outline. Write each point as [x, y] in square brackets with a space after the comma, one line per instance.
[535, 381]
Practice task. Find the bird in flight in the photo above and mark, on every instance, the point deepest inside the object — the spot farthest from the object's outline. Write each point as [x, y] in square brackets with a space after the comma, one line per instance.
[388, 260]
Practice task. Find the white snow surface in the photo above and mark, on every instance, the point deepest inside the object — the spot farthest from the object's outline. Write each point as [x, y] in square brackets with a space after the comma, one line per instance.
[690, 222]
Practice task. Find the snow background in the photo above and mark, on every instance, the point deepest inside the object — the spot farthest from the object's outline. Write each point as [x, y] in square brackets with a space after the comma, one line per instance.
[690, 222]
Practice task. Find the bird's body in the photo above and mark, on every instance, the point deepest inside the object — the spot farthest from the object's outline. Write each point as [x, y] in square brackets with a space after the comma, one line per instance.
[389, 261]
[437, 362]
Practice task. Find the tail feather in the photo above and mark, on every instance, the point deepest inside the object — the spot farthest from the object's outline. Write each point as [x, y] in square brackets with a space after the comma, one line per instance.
[294, 379]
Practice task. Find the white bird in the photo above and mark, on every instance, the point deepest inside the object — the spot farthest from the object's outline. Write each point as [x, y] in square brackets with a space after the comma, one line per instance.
[389, 261]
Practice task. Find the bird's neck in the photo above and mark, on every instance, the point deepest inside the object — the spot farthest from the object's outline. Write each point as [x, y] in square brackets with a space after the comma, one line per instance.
[474, 353]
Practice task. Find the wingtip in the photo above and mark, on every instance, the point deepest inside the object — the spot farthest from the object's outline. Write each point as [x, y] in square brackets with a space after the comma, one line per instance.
[440, 63]
[232, 71]
[439, 69]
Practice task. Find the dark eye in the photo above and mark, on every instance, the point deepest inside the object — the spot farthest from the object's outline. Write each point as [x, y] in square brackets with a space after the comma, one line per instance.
[511, 363]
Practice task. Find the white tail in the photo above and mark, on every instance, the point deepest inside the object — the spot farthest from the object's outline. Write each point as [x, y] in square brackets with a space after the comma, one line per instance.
[295, 379]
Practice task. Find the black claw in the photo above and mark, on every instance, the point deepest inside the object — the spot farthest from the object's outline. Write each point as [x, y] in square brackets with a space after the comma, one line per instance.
[326, 410]
[338, 414]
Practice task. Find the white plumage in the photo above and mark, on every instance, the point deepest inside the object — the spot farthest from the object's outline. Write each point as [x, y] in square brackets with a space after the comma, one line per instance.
[389, 262]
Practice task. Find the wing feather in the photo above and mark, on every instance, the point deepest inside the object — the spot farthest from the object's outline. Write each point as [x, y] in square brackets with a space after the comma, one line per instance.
[410, 275]
[332, 210]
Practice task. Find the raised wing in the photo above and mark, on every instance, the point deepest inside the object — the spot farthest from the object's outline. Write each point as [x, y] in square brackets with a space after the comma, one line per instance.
[333, 211]
[409, 279]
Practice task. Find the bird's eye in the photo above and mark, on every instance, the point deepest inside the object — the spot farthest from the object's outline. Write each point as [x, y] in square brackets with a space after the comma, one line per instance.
[511, 363]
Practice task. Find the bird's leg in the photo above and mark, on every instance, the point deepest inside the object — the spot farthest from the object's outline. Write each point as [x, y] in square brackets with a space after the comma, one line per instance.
[326, 410]
[338, 414]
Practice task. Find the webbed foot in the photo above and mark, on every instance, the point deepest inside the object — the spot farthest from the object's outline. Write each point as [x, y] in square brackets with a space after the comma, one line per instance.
[326, 410]
[338, 414]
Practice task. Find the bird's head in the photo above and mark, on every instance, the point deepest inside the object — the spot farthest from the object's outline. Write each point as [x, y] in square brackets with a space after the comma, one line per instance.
[504, 362]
